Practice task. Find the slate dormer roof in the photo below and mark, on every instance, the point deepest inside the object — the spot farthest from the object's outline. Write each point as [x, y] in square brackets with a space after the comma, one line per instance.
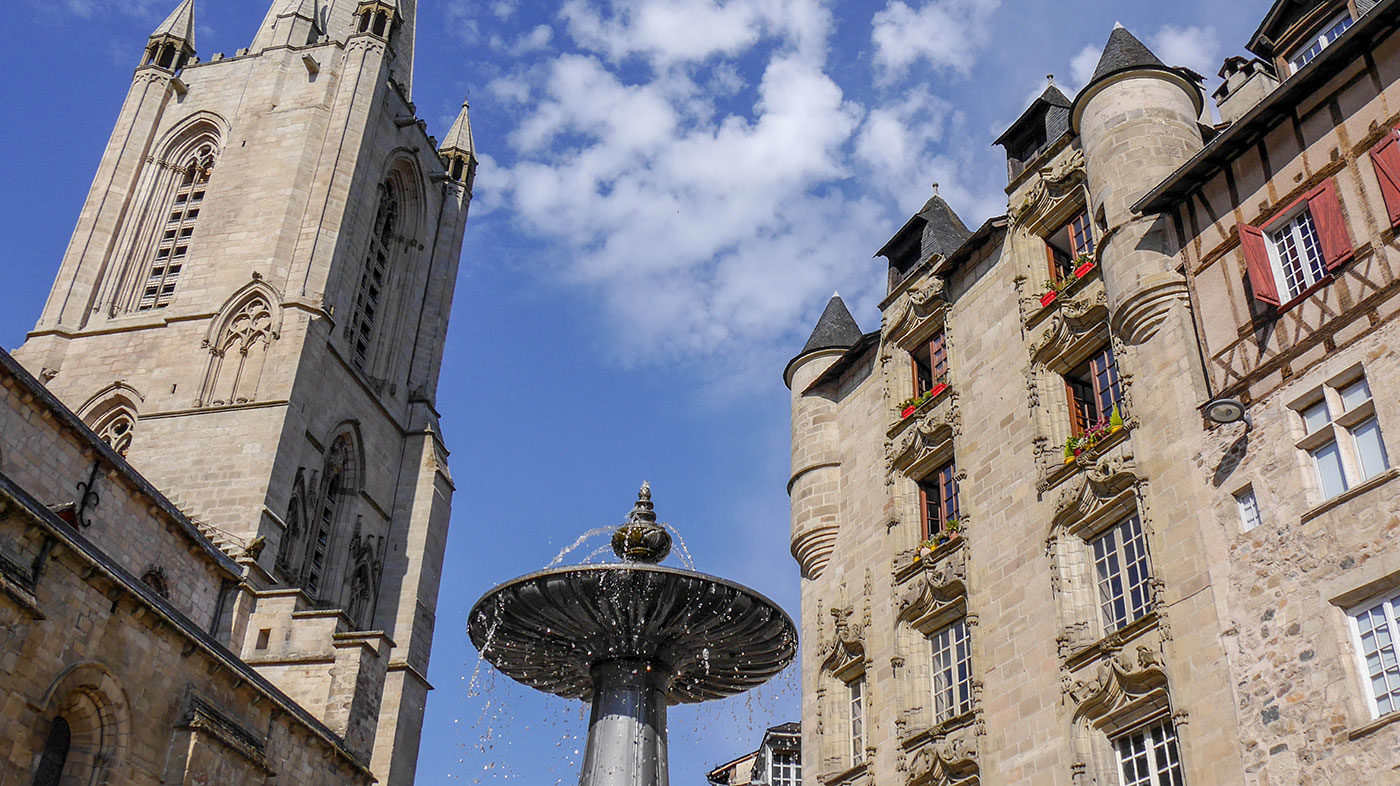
[836, 329]
[935, 229]
[1041, 111]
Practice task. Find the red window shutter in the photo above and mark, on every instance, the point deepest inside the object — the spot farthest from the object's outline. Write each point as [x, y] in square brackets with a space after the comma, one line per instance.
[1256, 261]
[1331, 225]
[1385, 158]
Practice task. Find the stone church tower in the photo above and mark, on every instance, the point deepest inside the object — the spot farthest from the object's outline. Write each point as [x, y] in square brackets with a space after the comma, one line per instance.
[252, 310]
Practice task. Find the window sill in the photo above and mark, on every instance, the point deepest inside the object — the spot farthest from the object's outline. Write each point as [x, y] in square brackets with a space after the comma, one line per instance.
[847, 776]
[1378, 723]
[1352, 493]
[940, 729]
[1305, 294]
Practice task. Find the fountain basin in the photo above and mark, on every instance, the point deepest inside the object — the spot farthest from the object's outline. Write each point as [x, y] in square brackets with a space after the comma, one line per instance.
[702, 636]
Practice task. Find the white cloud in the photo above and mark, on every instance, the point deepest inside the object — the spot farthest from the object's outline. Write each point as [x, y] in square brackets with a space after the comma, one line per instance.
[1081, 68]
[1197, 48]
[948, 34]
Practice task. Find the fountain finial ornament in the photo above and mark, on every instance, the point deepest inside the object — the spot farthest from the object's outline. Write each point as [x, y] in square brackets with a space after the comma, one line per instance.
[640, 538]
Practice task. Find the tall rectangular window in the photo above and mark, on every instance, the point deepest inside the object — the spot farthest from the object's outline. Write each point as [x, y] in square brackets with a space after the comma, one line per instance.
[1343, 438]
[1067, 244]
[177, 232]
[952, 672]
[1374, 632]
[1093, 390]
[1149, 756]
[1120, 562]
[1297, 254]
[857, 703]
[1248, 506]
[938, 500]
[930, 363]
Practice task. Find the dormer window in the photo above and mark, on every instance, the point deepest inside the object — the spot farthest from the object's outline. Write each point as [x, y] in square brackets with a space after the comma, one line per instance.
[1313, 47]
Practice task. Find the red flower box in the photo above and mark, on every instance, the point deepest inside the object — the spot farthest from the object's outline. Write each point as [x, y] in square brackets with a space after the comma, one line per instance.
[1048, 298]
[908, 411]
[938, 390]
[1083, 270]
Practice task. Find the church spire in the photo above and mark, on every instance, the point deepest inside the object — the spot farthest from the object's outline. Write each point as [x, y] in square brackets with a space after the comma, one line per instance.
[458, 149]
[288, 23]
[172, 44]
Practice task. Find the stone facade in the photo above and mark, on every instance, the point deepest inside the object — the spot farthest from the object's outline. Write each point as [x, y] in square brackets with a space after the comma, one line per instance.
[1056, 559]
[252, 313]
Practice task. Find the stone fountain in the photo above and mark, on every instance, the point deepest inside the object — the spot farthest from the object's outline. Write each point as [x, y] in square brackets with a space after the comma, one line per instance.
[633, 638]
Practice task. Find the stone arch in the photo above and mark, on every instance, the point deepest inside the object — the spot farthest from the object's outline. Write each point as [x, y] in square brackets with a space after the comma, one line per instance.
[152, 244]
[1127, 690]
[94, 708]
[113, 414]
[365, 567]
[291, 547]
[238, 341]
[386, 277]
[336, 487]
[156, 578]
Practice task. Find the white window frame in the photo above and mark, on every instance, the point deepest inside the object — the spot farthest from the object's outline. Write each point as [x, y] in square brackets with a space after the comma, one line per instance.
[1339, 433]
[1159, 738]
[1114, 566]
[1311, 258]
[856, 706]
[1389, 605]
[1329, 33]
[1247, 502]
[951, 652]
[788, 772]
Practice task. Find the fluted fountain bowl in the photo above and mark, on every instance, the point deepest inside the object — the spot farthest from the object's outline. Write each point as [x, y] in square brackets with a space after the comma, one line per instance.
[700, 636]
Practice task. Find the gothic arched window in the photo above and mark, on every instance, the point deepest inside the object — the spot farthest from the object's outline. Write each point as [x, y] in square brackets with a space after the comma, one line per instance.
[55, 754]
[155, 579]
[369, 296]
[115, 428]
[238, 353]
[337, 481]
[177, 230]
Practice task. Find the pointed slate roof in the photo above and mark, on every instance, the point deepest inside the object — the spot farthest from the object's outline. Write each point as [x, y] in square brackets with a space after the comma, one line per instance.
[836, 329]
[460, 135]
[180, 24]
[944, 232]
[1040, 107]
[1124, 51]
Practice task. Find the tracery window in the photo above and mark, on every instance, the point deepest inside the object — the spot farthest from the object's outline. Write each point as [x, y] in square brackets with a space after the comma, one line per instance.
[116, 429]
[336, 483]
[177, 232]
[369, 295]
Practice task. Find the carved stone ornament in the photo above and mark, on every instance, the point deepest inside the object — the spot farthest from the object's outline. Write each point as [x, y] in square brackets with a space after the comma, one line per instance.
[1099, 486]
[1120, 679]
[932, 431]
[934, 588]
[1076, 320]
[947, 762]
[915, 310]
[1051, 188]
[847, 646]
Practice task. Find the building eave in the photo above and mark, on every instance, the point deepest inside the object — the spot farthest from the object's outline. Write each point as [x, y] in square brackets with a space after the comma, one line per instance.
[1277, 107]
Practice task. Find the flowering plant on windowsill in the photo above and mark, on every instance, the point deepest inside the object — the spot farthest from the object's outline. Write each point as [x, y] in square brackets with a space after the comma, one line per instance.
[1093, 435]
[1054, 286]
[1085, 263]
[951, 532]
[909, 406]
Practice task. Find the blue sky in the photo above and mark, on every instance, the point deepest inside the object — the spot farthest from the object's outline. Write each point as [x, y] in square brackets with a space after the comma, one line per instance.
[670, 190]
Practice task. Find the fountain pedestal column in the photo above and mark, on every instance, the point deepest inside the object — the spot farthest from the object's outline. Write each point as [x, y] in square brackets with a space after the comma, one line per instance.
[627, 731]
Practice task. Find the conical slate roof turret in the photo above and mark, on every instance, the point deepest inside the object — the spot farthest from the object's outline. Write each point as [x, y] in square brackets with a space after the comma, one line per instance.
[836, 329]
[1122, 52]
[459, 137]
[179, 25]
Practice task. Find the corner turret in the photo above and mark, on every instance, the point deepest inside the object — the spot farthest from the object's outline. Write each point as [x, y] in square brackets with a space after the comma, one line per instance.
[171, 46]
[458, 149]
[816, 440]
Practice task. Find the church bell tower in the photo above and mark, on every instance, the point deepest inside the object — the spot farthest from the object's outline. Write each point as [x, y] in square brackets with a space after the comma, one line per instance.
[252, 309]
